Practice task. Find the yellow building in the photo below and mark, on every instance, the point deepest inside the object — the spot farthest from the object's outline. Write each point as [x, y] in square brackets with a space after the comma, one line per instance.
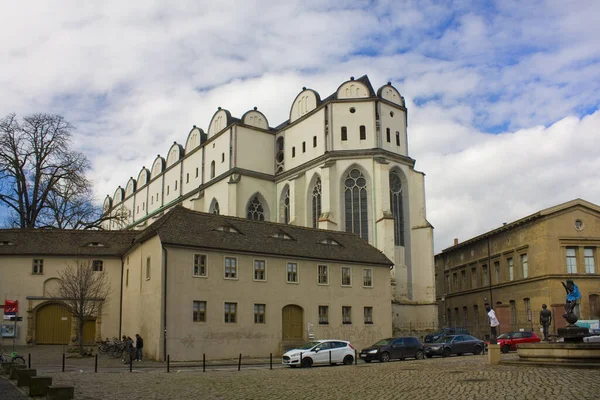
[520, 266]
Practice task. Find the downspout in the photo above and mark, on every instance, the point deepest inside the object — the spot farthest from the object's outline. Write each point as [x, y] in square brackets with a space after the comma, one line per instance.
[121, 299]
[373, 188]
[165, 254]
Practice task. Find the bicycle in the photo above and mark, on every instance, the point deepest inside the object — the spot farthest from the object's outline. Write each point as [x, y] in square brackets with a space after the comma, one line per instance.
[14, 357]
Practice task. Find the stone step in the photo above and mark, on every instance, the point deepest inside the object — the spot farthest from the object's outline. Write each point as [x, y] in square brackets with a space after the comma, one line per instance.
[60, 392]
[24, 375]
[13, 370]
[38, 385]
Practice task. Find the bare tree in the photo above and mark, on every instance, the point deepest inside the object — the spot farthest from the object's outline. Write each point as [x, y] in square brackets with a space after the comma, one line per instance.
[42, 179]
[84, 292]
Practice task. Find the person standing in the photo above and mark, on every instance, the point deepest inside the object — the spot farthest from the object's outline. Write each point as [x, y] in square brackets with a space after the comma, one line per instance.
[139, 345]
[494, 323]
[545, 320]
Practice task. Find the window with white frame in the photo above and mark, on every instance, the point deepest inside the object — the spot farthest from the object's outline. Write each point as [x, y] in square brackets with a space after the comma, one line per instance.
[38, 266]
[571, 260]
[524, 265]
[323, 275]
[230, 268]
[200, 265]
[292, 272]
[367, 277]
[346, 276]
[511, 272]
[368, 315]
[527, 304]
[259, 313]
[323, 315]
[486, 276]
[97, 265]
[230, 312]
[260, 271]
[199, 311]
[346, 315]
[588, 254]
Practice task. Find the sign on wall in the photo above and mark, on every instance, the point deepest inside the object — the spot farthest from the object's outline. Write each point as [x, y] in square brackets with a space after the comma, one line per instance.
[8, 330]
[11, 307]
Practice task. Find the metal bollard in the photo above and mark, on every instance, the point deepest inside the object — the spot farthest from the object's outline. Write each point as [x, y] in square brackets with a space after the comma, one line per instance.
[130, 363]
[168, 364]
[63, 363]
[329, 357]
[96, 364]
[270, 360]
[29, 360]
[240, 362]
[203, 362]
[355, 357]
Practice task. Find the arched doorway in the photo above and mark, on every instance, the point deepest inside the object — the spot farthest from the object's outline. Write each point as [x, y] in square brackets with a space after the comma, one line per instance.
[52, 325]
[292, 322]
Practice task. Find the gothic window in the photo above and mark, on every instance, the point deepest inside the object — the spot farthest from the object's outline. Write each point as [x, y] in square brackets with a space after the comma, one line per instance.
[212, 169]
[397, 208]
[215, 208]
[285, 205]
[316, 203]
[256, 211]
[355, 204]
[363, 132]
[344, 133]
[279, 156]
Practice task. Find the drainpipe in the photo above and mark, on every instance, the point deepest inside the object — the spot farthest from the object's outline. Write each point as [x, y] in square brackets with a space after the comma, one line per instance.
[121, 299]
[490, 273]
[165, 253]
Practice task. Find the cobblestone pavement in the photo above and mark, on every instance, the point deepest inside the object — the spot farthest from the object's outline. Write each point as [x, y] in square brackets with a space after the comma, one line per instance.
[466, 377]
[8, 391]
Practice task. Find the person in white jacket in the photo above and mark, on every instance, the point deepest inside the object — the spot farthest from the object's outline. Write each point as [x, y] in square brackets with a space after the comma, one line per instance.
[494, 323]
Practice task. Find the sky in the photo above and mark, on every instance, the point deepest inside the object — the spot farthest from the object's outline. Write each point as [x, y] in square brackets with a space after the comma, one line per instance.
[503, 97]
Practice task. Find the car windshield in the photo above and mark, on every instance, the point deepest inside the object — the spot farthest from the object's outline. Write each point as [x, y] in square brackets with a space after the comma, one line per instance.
[308, 345]
[383, 342]
[445, 339]
[505, 336]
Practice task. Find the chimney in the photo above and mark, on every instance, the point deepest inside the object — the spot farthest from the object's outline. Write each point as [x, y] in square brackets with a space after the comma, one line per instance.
[455, 241]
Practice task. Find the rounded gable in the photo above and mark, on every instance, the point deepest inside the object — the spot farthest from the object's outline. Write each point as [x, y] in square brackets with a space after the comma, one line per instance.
[130, 188]
[194, 139]
[107, 203]
[352, 90]
[158, 166]
[143, 176]
[306, 101]
[118, 196]
[255, 118]
[390, 93]
[220, 120]
[175, 153]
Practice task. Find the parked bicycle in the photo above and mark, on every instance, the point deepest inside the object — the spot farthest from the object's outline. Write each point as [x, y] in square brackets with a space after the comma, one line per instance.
[14, 357]
[114, 348]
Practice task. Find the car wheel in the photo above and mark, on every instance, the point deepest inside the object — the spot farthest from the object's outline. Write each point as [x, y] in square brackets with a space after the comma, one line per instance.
[419, 355]
[307, 362]
[477, 350]
[447, 352]
[384, 357]
[505, 349]
[292, 366]
[348, 360]
[367, 361]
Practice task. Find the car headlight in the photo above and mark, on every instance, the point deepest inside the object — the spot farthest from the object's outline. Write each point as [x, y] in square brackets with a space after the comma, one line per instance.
[435, 347]
[373, 351]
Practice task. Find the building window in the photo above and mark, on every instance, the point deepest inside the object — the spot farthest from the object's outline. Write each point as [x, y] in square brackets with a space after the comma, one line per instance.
[588, 254]
[346, 315]
[187, 178]
[230, 312]
[200, 265]
[199, 313]
[524, 266]
[387, 135]
[456, 318]
[397, 138]
[97, 265]
[196, 176]
[476, 314]
[230, 268]
[259, 313]
[212, 169]
[465, 316]
[511, 271]
[356, 207]
[527, 304]
[168, 189]
[486, 276]
[323, 315]
[280, 156]
[260, 272]
[175, 185]
[513, 312]
[447, 288]
[256, 211]
[473, 278]
[293, 151]
[594, 300]
[222, 157]
[292, 272]
[148, 266]
[497, 268]
[304, 147]
[344, 133]
[151, 200]
[285, 205]
[38, 267]
[449, 315]
[363, 132]
[127, 278]
[314, 141]
[463, 276]
[368, 315]
[137, 209]
[316, 203]
[323, 275]
[455, 281]
[346, 276]
[367, 277]
[215, 208]
[397, 205]
[571, 261]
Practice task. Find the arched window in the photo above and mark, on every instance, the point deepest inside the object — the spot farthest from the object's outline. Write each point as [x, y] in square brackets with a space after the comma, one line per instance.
[397, 208]
[214, 208]
[212, 169]
[355, 204]
[285, 205]
[279, 156]
[256, 211]
[316, 203]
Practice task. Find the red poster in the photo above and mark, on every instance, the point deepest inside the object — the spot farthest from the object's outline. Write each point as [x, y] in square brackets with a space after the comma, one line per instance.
[11, 307]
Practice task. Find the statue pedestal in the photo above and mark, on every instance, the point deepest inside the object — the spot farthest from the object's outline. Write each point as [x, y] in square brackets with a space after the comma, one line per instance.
[494, 354]
[573, 334]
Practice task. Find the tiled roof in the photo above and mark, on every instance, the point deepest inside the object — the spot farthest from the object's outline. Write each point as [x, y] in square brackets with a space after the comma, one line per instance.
[64, 242]
[184, 227]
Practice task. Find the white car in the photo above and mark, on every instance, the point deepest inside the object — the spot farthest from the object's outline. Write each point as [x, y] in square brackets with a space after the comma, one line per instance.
[320, 352]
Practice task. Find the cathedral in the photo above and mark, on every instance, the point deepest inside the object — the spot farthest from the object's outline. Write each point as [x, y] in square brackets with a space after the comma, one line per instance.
[337, 163]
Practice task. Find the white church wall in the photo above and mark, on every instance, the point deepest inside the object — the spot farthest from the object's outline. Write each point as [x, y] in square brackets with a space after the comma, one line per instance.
[172, 183]
[248, 187]
[363, 115]
[394, 119]
[303, 132]
[192, 171]
[217, 151]
[155, 189]
[247, 140]
[141, 195]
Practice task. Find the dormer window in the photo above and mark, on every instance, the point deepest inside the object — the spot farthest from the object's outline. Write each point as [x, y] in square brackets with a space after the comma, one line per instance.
[330, 242]
[95, 244]
[227, 228]
[6, 243]
[281, 235]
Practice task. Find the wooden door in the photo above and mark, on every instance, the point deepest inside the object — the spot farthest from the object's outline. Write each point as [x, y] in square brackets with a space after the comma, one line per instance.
[89, 332]
[53, 325]
[292, 322]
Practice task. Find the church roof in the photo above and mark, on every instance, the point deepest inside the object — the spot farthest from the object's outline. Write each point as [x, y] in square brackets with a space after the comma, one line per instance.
[61, 242]
[184, 227]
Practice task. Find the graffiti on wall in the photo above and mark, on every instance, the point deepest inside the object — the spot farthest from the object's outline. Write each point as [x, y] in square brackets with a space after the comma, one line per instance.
[353, 334]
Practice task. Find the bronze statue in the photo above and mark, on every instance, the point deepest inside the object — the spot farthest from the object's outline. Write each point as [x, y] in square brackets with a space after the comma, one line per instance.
[545, 320]
[572, 296]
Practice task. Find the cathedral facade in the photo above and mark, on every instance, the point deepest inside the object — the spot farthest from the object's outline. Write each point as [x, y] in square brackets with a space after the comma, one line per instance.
[338, 163]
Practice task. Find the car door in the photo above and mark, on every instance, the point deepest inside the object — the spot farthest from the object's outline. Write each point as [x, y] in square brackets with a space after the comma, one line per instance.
[397, 349]
[322, 355]
[338, 351]
[458, 344]
[411, 346]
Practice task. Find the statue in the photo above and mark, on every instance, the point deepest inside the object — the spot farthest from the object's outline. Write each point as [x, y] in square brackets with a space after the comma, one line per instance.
[572, 296]
[545, 320]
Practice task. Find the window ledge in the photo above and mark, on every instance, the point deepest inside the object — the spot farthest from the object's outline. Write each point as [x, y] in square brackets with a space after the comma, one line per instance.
[200, 276]
[323, 323]
[347, 323]
[368, 322]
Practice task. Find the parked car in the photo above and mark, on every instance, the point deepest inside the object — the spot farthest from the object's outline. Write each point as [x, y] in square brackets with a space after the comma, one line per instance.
[320, 352]
[508, 341]
[432, 337]
[394, 348]
[454, 344]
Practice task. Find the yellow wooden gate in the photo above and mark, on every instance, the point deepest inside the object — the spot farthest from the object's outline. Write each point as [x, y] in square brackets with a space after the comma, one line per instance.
[89, 332]
[292, 322]
[53, 325]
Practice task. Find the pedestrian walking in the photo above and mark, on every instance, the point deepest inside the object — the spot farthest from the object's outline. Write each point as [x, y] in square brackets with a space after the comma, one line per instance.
[494, 323]
[139, 345]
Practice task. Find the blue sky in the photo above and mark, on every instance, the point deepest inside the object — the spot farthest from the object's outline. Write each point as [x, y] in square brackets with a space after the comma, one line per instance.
[502, 95]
